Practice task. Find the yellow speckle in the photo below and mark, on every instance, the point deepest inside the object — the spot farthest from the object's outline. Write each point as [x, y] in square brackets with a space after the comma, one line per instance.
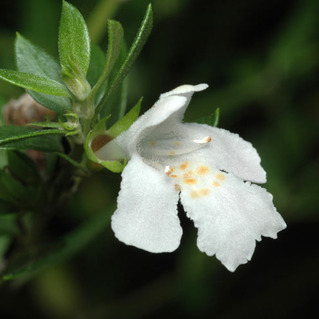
[194, 194]
[188, 174]
[173, 175]
[220, 176]
[178, 187]
[216, 184]
[152, 143]
[184, 165]
[177, 143]
[201, 193]
[202, 170]
[204, 191]
[190, 181]
[172, 153]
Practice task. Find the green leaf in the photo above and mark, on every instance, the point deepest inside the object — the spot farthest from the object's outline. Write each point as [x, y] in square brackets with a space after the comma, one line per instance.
[96, 66]
[47, 255]
[23, 168]
[115, 33]
[135, 50]
[32, 59]
[74, 41]
[58, 104]
[119, 97]
[34, 82]
[8, 224]
[5, 241]
[46, 125]
[211, 120]
[14, 192]
[6, 207]
[20, 138]
[126, 121]
[72, 161]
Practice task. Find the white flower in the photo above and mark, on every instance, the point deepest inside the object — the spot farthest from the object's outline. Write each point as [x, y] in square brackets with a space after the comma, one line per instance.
[209, 169]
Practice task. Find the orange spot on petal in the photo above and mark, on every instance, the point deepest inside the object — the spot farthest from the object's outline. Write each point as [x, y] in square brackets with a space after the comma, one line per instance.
[202, 170]
[190, 181]
[172, 153]
[216, 184]
[188, 174]
[220, 176]
[194, 194]
[184, 165]
[174, 176]
[204, 191]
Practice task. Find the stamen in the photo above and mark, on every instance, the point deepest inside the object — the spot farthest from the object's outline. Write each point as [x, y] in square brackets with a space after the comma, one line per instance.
[204, 140]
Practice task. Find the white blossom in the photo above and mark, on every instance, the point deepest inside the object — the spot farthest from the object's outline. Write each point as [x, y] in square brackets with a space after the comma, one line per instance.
[209, 169]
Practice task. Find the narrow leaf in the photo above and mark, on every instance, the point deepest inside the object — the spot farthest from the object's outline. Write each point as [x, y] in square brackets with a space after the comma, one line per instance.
[34, 82]
[96, 66]
[126, 121]
[115, 39]
[20, 138]
[23, 168]
[72, 161]
[74, 41]
[14, 192]
[46, 125]
[211, 120]
[135, 50]
[32, 59]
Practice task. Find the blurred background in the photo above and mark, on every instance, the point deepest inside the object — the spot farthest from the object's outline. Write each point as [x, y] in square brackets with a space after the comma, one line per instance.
[261, 60]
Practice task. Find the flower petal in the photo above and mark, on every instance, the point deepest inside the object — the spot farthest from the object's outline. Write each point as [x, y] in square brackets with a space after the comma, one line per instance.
[229, 151]
[147, 209]
[230, 215]
[170, 108]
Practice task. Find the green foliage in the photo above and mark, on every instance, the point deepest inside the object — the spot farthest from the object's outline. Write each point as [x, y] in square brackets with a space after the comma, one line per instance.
[23, 168]
[32, 59]
[126, 121]
[21, 138]
[119, 127]
[211, 120]
[34, 82]
[96, 66]
[115, 32]
[32, 191]
[135, 50]
[15, 192]
[8, 225]
[74, 41]
[99, 131]
[45, 255]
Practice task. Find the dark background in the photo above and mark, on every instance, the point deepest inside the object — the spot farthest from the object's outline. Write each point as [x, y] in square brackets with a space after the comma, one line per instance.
[261, 61]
